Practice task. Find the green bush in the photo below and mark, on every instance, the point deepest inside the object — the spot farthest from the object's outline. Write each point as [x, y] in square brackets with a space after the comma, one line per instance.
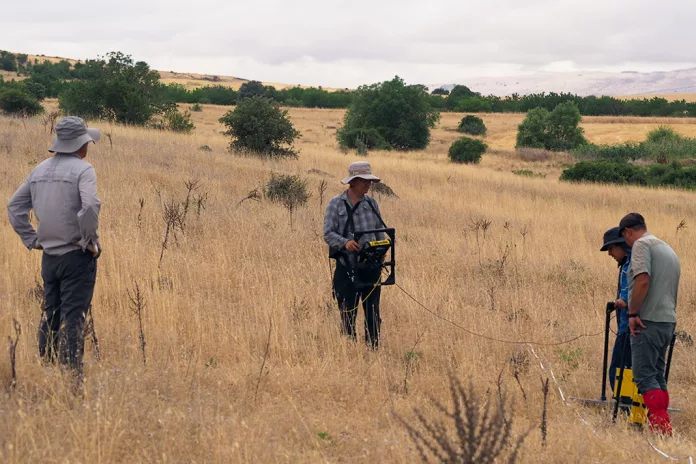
[289, 190]
[196, 107]
[259, 126]
[557, 130]
[400, 113]
[368, 138]
[467, 150]
[472, 125]
[528, 173]
[178, 122]
[17, 102]
[662, 133]
[662, 144]
[440, 91]
[656, 175]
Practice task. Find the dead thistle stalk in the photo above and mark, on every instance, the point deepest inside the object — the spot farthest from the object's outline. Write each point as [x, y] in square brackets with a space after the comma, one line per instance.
[544, 425]
[90, 330]
[263, 363]
[322, 189]
[173, 220]
[137, 305]
[13, 351]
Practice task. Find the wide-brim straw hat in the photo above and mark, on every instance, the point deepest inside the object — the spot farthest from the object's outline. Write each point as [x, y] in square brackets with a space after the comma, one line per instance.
[360, 169]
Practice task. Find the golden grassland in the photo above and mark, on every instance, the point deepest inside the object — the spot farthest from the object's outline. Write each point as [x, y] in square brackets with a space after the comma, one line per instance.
[240, 270]
[689, 97]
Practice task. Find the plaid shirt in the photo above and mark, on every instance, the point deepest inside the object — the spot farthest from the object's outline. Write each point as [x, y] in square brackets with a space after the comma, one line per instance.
[364, 218]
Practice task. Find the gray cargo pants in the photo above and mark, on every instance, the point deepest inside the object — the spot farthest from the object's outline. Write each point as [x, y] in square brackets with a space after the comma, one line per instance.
[648, 349]
[69, 282]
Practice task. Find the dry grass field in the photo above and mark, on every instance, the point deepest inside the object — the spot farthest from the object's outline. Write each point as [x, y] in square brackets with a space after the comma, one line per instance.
[239, 272]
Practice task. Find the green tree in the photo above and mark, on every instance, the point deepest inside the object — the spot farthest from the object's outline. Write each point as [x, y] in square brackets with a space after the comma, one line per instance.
[472, 125]
[116, 88]
[458, 93]
[467, 150]
[15, 101]
[564, 129]
[558, 130]
[8, 61]
[259, 126]
[440, 91]
[401, 114]
[251, 89]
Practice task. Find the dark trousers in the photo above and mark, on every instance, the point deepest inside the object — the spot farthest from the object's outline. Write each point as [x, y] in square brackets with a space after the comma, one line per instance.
[68, 288]
[349, 298]
[622, 342]
[650, 355]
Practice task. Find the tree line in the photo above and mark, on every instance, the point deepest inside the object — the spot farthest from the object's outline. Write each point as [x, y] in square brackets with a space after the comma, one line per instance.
[46, 79]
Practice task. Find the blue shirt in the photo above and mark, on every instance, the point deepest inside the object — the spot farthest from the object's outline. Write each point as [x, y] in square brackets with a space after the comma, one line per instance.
[622, 293]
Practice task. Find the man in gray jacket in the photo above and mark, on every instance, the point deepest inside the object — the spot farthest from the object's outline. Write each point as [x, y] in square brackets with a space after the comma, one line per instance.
[62, 191]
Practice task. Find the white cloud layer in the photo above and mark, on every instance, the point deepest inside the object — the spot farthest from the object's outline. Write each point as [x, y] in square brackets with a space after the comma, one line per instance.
[348, 43]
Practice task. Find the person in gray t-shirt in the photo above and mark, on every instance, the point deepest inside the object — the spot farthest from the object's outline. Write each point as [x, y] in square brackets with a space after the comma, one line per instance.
[653, 285]
[62, 191]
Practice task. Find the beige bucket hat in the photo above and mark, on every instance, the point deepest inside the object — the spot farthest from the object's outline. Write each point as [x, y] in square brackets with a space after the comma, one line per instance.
[360, 169]
[71, 133]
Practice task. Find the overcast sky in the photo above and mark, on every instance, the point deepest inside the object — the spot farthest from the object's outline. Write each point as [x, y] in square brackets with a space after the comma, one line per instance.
[348, 43]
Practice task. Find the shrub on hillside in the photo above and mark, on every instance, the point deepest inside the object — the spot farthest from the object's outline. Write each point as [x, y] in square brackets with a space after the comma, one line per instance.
[178, 122]
[655, 175]
[440, 91]
[401, 114]
[259, 126]
[467, 150]
[17, 102]
[196, 107]
[472, 125]
[605, 172]
[289, 190]
[557, 130]
[662, 133]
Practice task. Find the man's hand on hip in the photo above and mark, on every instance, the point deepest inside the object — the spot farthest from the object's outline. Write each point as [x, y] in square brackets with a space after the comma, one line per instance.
[635, 324]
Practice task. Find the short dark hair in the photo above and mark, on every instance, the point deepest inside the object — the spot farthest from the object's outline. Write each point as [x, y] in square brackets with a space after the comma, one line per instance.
[633, 221]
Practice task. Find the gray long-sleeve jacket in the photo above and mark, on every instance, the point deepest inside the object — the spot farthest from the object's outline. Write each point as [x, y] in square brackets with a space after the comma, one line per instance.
[62, 191]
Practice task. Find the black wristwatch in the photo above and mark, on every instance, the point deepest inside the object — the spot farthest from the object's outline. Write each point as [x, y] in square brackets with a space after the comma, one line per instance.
[633, 315]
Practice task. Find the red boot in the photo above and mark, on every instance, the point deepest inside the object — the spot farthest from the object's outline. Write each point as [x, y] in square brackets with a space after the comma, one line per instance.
[656, 401]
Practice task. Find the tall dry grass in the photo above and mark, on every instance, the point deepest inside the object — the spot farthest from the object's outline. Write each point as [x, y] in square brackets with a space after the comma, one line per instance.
[239, 272]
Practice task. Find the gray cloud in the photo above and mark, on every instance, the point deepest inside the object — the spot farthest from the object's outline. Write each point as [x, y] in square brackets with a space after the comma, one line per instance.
[346, 43]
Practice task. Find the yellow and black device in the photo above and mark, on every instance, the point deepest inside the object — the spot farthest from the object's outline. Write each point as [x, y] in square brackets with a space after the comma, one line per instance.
[626, 393]
[374, 257]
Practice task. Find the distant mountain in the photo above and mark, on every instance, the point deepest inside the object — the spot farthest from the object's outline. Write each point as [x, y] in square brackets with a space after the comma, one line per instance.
[585, 83]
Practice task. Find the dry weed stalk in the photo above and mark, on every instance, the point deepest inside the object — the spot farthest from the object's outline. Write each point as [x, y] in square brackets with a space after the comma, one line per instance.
[111, 141]
[173, 215]
[480, 431]
[49, 119]
[141, 202]
[411, 357]
[201, 201]
[137, 305]
[519, 365]
[322, 189]
[544, 424]
[13, 342]
[191, 186]
[263, 363]
[682, 225]
[252, 195]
